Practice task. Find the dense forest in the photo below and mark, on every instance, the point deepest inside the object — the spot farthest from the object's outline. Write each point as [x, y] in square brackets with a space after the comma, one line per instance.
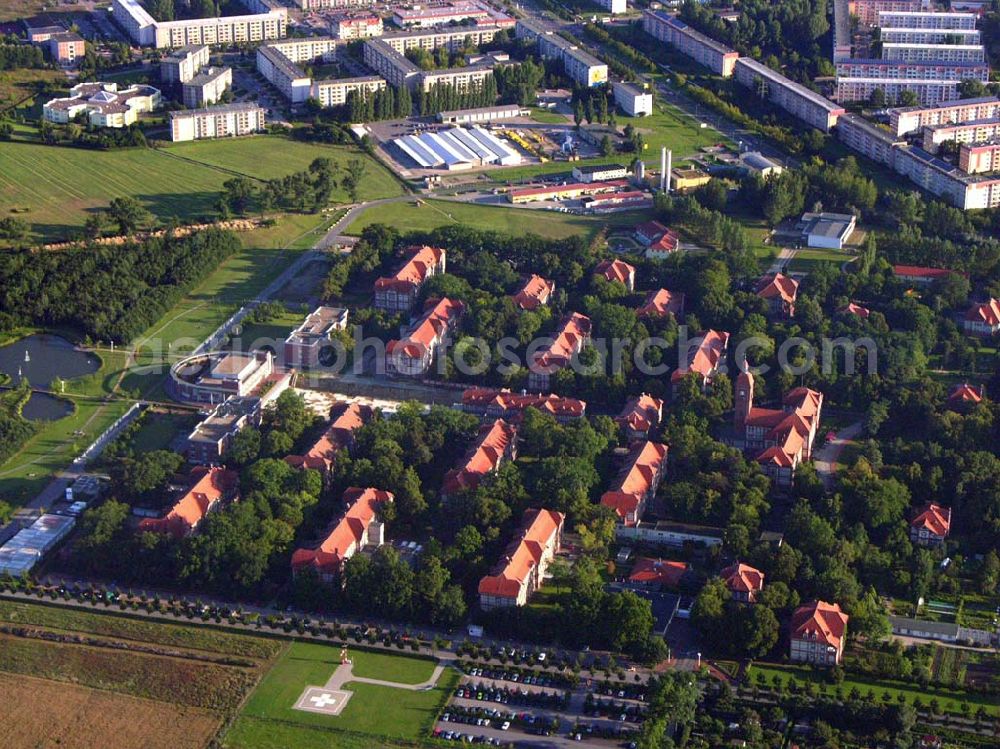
[109, 293]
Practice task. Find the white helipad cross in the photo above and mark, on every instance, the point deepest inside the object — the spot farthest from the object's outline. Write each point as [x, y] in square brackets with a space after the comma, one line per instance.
[323, 700]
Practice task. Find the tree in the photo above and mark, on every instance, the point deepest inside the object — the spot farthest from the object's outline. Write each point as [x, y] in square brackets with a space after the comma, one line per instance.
[128, 213]
[629, 621]
[245, 447]
[239, 193]
[99, 529]
[355, 172]
[759, 630]
[877, 98]
[607, 146]
[708, 614]
[907, 99]
[14, 228]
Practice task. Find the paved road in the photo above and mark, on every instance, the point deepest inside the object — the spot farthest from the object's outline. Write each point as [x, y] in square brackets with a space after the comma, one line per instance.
[335, 234]
[827, 456]
[782, 260]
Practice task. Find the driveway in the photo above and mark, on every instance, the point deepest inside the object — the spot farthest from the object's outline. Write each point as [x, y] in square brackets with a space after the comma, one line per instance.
[825, 459]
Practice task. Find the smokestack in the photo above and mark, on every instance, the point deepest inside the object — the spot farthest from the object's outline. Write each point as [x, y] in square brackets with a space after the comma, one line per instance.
[663, 166]
[670, 166]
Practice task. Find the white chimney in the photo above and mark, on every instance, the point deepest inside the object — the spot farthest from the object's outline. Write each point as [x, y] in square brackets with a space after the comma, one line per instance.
[670, 166]
[663, 168]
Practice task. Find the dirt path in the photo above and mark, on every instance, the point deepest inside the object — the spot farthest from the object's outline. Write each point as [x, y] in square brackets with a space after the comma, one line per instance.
[345, 674]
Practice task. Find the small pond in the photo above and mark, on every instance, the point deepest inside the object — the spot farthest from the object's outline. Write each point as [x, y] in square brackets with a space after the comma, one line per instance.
[43, 358]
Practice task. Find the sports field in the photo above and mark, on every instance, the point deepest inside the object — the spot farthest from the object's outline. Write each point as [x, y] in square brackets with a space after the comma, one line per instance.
[269, 720]
[53, 188]
[431, 214]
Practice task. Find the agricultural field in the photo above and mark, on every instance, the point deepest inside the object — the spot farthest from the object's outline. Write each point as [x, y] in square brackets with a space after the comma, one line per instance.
[431, 214]
[54, 188]
[37, 713]
[269, 719]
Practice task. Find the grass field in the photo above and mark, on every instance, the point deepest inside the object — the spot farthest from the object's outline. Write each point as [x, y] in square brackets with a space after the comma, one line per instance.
[54, 188]
[17, 87]
[432, 214]
[269, 720]
[949, 699]
[40, 713]
[128, 628]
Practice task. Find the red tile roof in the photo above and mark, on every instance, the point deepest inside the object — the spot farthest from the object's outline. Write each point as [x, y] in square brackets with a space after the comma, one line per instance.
[428, 331]
[540, 529]
[662, 303]
[645, 462]
[777, 285]
[346, 535]
[347, 417]
[965, 393]
[705, 358]
[615, 270]
[658, 571]
[208, 487]
[855, 309]
[641, 414]
[669, 242]
[493, 443]
[742, 578]
[934, 519]
[987, 313]
[414, 272]
[507, 401]
[920, 271]
[790, 428]
[535, 293]
[650, 231]
[573, 333]
[820, 621]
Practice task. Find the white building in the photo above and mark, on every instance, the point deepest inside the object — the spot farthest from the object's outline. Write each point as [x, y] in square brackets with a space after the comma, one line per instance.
[356, 26]
[267, 20]
[599, 173]
[223, 121]
[334, 91]
[181, 65]
[614, 7]
[207, 87]
[634, 101]
[104, 104]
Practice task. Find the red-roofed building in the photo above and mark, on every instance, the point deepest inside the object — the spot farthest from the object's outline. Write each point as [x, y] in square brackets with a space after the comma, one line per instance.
[209, 488]
[983, 319]
[965, 396]
[522, 569]
[658, 239]
[855, 309]
[662, 303]
[488, 403]
[641, 415]
[780, 438]
[649, 231]
[637, 483]
[921, 275]
[704, 355]
[818, 630]
[657, 573]
[346, 418]
[617, 270]
[358, 528]
[535, 293]
[744, 582]
[931, 525]
[780, 291]
[398, 292]
[496, 443]
[569, 340]
[412, 356]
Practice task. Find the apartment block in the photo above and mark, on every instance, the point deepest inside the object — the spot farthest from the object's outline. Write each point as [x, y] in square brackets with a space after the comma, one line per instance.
[925, 20]
[453, 38]
[634, 101]
[279, 62]
[867, 10]
[946, 181]
[304, 347]
[334, 92]
[104, 104]
[325, 4]
[348, 26]
[868, 139]
[207, 87]
[267, 20]
[392, 65]
[930, 36]
[793, 97]
[442, 14]
[933, 82]
[979, 131]
[914, 52]
[522, 569]
[585, 69]
[979, 158]
[704, 50]
[227, 120]
[910, 119]
[181, 65]
[66, 47]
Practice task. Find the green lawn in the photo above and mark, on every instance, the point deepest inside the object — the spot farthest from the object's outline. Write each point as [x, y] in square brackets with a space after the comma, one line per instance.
[806, 260]
[432, 214]
[268, 157]
[949, 699]
[54, 188]
[158, 430]
[269, 720]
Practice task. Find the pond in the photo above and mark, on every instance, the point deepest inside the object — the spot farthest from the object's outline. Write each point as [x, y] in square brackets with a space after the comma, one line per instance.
[45, 407]
[43, 358]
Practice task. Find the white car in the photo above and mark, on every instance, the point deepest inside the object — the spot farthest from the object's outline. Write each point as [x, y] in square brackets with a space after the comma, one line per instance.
[505, 725]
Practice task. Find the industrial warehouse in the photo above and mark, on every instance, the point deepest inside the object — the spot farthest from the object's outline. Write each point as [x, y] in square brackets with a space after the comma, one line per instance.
[457, 148]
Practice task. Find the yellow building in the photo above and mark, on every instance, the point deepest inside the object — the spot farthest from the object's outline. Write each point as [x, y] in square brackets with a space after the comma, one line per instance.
[688, 179]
